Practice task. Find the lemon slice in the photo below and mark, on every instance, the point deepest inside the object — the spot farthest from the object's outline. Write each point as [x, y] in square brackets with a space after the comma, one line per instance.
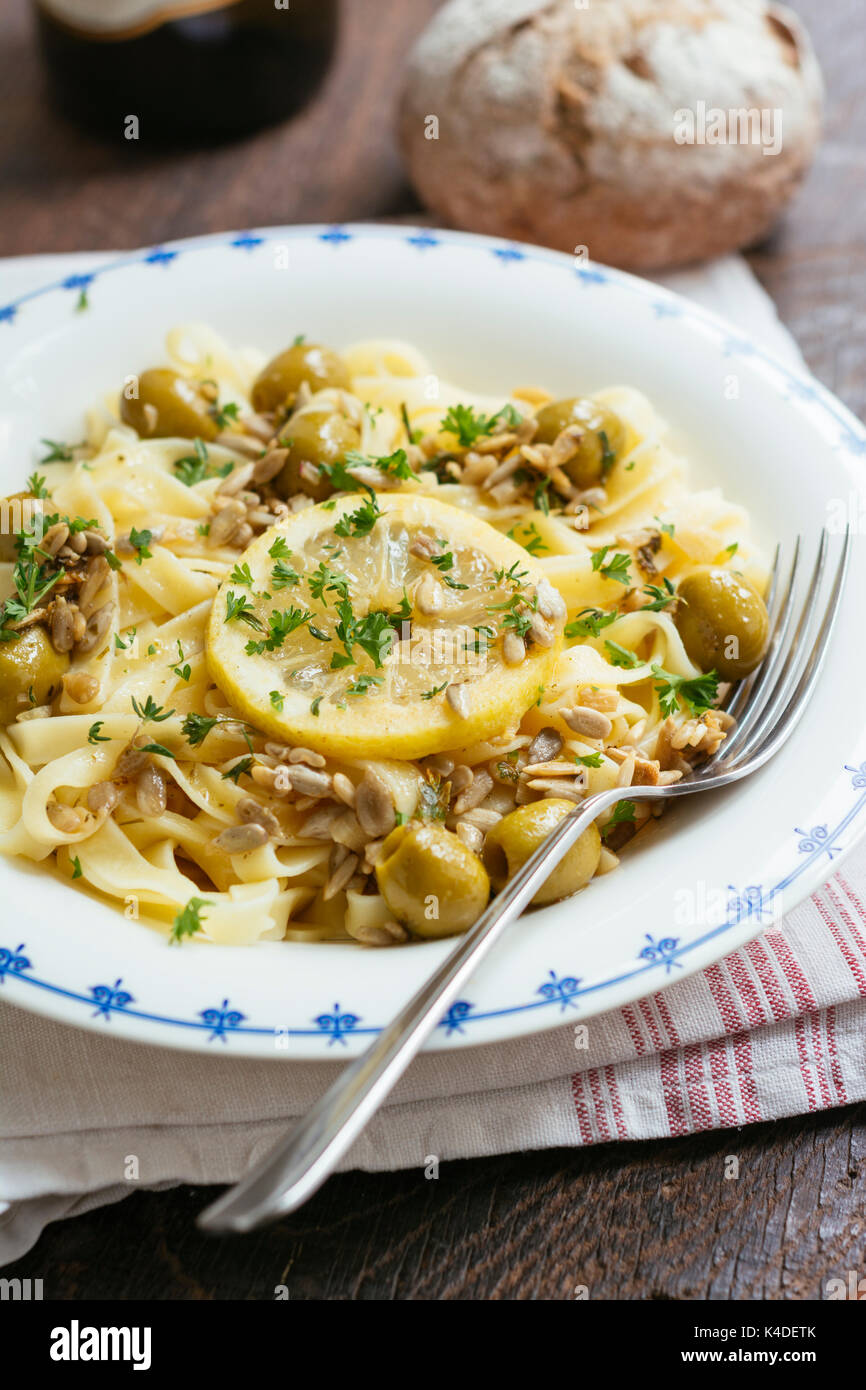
[390, 625]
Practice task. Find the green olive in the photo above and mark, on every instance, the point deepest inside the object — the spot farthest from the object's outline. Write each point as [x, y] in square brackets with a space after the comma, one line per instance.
[15, 516]
[602, 443]
[316, 437]
[277, 384]
[431, 881]
[723, 622]
[181, 410]
[513, 839]
[31, 672]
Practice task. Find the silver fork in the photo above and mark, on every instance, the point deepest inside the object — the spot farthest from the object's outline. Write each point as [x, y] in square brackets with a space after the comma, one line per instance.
[769, 705]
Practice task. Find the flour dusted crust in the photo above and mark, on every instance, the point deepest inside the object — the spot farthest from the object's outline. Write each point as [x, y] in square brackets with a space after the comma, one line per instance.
[556, 124]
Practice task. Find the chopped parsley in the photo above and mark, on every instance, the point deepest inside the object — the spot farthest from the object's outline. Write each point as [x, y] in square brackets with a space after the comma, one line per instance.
[589, 622]
[240, 609]
[659, 597]
[283, 576]
[394, 465]
[530, 537]
[76, 867]
[140, 542]
[196, 727]
[445, 562]
[361, 684]
[188, 921]
[150, 710]
[280, 624]
[608, 457]
[360, 522]
[183, 672]
[237, 770]
[431, 694]
[324, 580]
[277, 700]
[241, 574]
[698, 692]
[36, 485]
[58, 453]
[222, 415]
[468, 426]
[617, 568]
[621, 656]
[623, 812]
[588, 759]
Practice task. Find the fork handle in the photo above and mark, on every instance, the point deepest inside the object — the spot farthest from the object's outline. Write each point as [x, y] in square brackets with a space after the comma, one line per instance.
[302, 1160]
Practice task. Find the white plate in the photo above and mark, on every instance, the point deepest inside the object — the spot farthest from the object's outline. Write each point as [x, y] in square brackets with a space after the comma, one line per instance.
[709, 876]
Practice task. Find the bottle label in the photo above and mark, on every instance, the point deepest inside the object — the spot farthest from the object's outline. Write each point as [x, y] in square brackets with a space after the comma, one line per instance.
[124, 19]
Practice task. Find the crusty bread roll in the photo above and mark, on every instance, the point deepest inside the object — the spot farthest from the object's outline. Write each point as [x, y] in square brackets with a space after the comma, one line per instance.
[571, 124]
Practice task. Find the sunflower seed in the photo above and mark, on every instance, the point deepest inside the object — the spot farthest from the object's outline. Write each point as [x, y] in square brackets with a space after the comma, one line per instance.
[458, 698]
[55, 537]
[241, 839]
[540, 631]
[150, 791]
[553, 768]
[551, 604]
[318, 825]
[131, 761]
[373, 805]
[461, 778]
[307, 781]
[225, 523]
[236, 480]
[480, 818]
[429, 596]
[340, 877]
[344, 789]
[80, 687]
[62, 626]
[97, 628]
[481, 785]
[346, 830]
[556, 786]
[469, 835]
[590, 722]
[306, 755]
[388, 934]
[269, 465]
[239, 443]
[94, 592]
[513, 649]
[97, 544]
[546, 744]
[251, 812]
[69, 820]
[103, 796]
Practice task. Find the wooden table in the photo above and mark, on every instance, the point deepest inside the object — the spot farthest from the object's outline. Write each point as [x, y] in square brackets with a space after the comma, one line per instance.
[630, 1221]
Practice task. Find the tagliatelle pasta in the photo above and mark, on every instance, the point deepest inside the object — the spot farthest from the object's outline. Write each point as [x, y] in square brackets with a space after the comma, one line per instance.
[254, 665]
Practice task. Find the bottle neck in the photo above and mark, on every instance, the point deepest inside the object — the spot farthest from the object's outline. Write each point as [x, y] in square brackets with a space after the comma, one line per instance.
[123, 19]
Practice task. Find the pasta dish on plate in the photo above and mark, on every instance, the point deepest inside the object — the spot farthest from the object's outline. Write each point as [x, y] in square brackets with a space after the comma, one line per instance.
[322, 647]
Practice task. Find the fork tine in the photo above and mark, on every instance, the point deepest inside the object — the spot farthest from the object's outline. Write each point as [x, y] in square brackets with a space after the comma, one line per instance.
[745, 687]
[798, 699]
[767, 674]
[786, 668]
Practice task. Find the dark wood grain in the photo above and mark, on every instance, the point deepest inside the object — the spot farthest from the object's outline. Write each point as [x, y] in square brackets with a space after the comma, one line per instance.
[630, 1221]
[627, 1221]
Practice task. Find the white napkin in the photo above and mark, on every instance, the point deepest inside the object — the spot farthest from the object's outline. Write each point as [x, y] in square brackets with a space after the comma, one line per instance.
[776, 1029]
